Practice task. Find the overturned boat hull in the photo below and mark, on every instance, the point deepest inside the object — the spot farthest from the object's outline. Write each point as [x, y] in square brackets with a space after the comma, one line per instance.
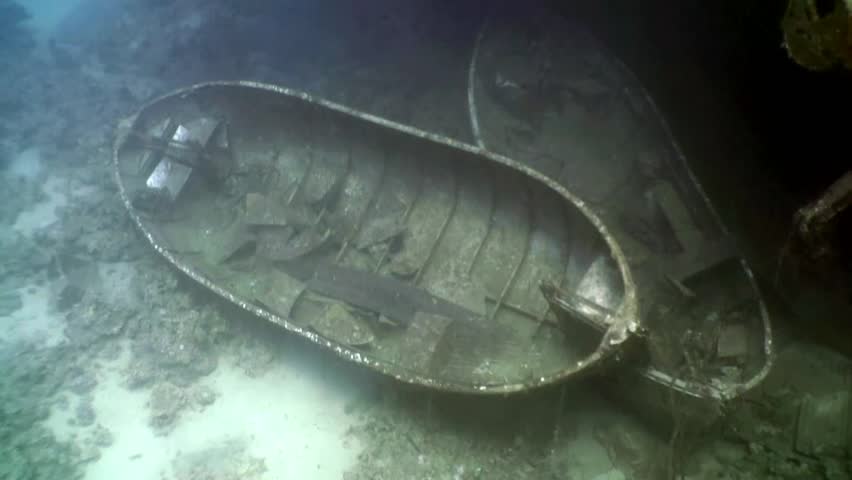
[404, 251]
[543, 91]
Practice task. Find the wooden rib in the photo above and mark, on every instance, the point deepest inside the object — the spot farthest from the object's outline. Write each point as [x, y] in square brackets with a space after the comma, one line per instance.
[488, 226]
[499, 302]
[533, 317]
[273, 167]
[304, 179]
[405, 215]
[560, 176]
[561, 284]
[442, 230]
[363, 217]
[513, 307]
[347, 168]
[542, 317]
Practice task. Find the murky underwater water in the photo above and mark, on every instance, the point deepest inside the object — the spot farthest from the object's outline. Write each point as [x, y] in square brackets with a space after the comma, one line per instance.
[115, 365]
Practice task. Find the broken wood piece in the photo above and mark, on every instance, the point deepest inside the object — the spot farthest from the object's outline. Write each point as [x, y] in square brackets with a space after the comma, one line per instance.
[264, 211]
[223, 245]
[258, 211]
[303, 243]
[576, 307]
[273, 243]
[403, 265]
[462, 291]
[380, 230]
[279, 292]
[181, 156]
[324, 185]
[338, 324]
[422, 338]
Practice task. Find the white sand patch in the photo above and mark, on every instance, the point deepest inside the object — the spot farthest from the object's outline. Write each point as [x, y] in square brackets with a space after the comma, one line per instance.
[35, 322]
[292, 418]
[59, 193]
[47, 14]
[60, 421]
[38, 321]
[26, 164]
[43, 213]
[136, 453]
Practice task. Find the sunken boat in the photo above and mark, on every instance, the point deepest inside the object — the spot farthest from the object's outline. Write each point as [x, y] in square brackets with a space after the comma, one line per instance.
[545, 92]
[421, 257]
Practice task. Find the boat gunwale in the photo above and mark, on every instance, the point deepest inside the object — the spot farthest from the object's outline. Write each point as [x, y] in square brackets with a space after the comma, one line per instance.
[626, 320]
[687, 387]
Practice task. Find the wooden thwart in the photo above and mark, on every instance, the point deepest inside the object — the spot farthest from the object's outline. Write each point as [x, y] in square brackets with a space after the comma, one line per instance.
[381, 294]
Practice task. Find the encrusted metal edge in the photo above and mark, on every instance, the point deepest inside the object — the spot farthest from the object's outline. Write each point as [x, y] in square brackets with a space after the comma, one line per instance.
[626, 318]
[689, 388]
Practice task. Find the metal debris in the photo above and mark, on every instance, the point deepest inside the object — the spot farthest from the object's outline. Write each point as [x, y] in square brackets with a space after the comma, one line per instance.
[816, 221]
[189, 145]
[160, 135]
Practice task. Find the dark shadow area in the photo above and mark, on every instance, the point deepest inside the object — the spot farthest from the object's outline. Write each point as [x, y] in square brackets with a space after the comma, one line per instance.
[15, 36]
[786, 111]
[764, 135]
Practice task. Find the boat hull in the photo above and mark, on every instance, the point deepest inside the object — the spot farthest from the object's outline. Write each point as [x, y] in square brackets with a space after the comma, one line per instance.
[406, 252]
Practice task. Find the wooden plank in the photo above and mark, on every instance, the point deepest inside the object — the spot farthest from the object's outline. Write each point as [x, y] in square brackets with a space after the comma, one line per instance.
[384, 295]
